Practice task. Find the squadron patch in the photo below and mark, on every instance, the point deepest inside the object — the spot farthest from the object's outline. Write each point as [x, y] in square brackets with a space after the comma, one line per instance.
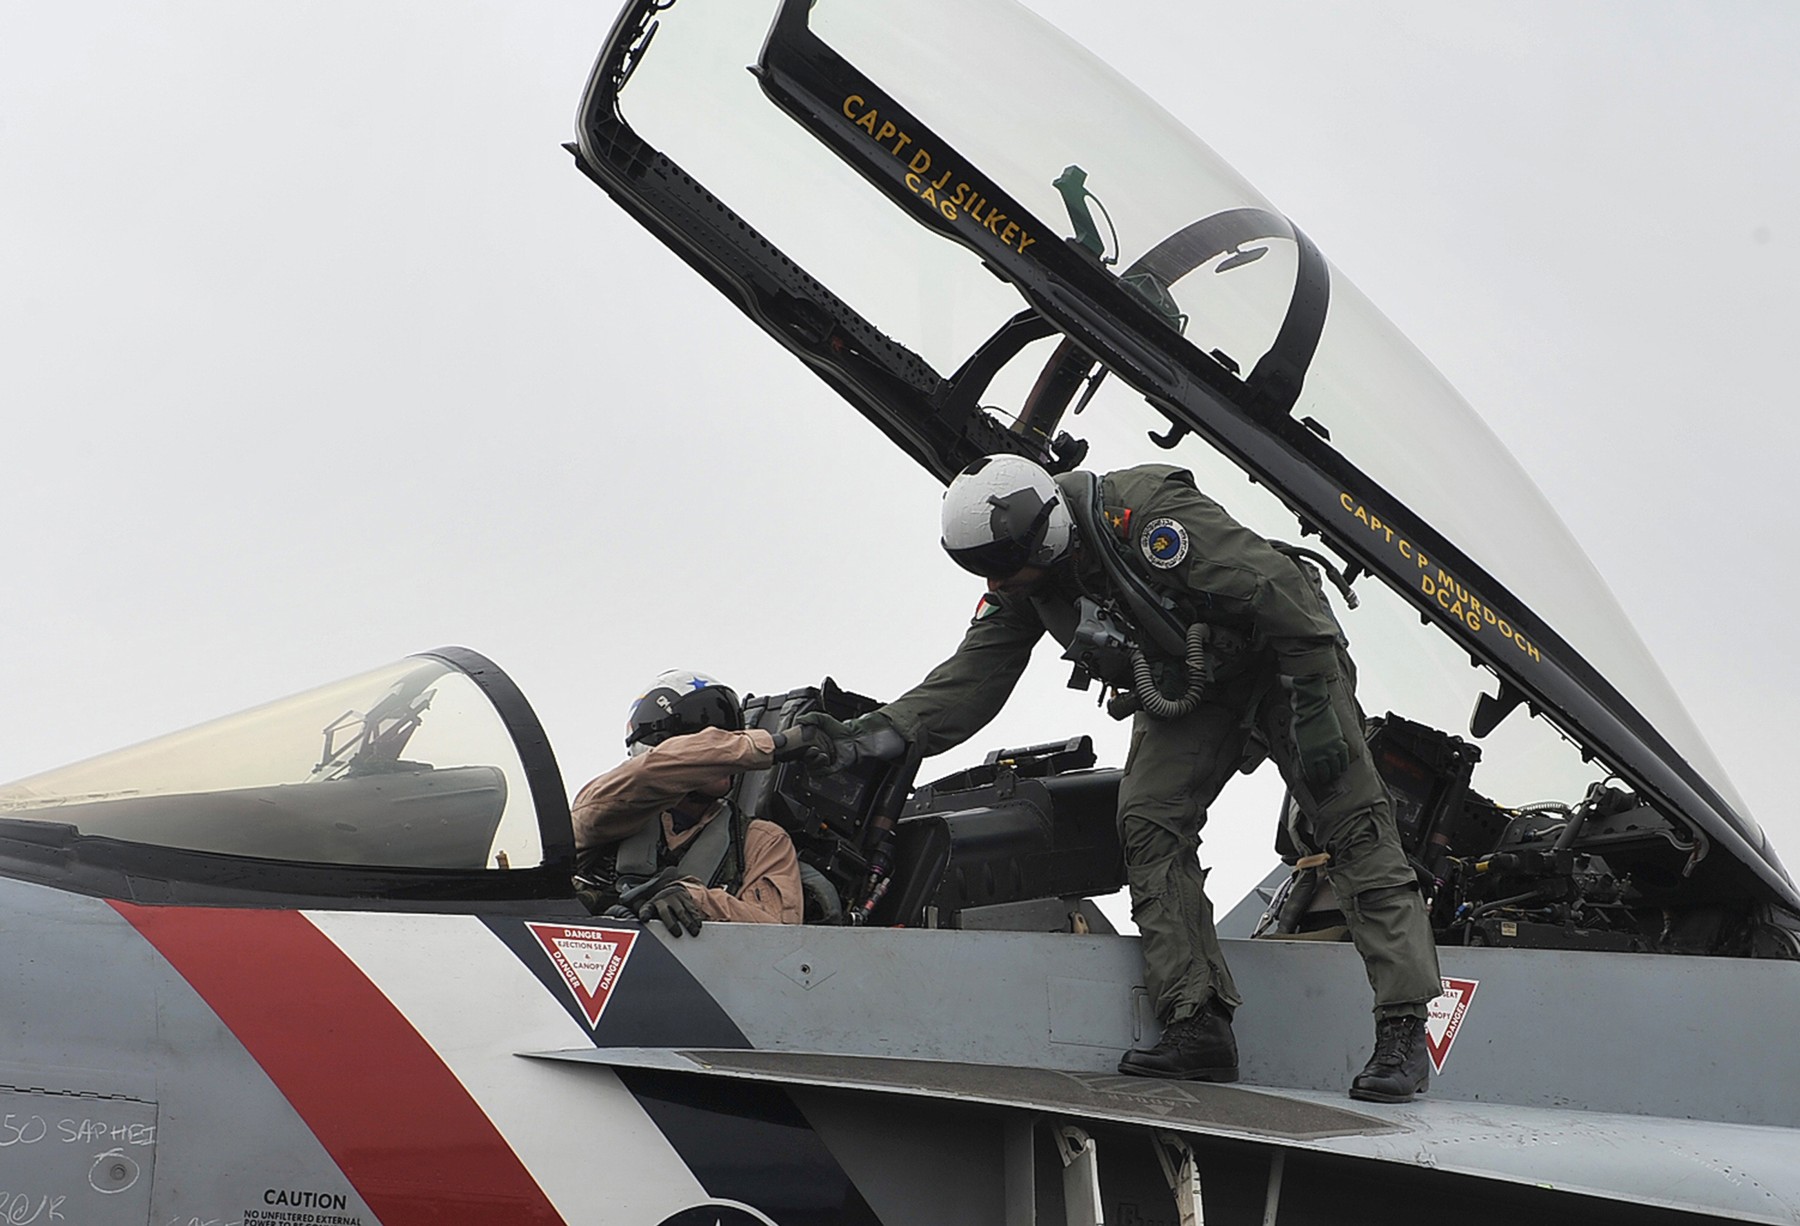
[1164, 542]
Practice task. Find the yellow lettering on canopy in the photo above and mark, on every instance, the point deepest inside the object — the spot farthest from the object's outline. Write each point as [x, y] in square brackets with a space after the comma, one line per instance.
[1436, 583]
[936, 192]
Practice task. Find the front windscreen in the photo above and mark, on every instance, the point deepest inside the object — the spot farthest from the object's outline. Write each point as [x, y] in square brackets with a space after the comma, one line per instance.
[406, 766]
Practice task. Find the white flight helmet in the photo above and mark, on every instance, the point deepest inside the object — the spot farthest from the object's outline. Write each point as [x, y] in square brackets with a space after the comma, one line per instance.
[1003, 513]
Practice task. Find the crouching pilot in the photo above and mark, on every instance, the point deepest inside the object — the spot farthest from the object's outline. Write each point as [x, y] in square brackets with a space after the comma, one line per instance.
[657, 835]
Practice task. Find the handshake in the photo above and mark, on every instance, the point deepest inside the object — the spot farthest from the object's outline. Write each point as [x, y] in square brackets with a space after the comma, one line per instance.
[828, 745]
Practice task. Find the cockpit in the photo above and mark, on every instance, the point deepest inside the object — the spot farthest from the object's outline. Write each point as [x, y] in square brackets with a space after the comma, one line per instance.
[430, 782]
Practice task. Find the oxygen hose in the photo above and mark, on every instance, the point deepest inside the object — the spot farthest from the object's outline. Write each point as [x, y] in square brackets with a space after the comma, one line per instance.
[1143, 682]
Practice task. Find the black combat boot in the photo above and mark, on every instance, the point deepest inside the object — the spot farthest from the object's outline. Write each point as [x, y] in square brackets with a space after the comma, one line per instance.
[1400, 1067]
[1198, 1048]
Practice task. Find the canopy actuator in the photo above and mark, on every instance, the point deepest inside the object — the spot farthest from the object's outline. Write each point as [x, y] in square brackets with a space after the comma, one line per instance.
[1182, 1170]
[1081, 1177]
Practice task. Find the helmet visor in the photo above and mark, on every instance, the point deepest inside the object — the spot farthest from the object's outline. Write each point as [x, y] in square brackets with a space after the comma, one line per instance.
[1018, 538]
[995, 559]
[662, 714]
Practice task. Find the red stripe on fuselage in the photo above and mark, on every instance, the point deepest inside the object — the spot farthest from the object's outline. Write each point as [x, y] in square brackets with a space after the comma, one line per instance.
[393, 1117]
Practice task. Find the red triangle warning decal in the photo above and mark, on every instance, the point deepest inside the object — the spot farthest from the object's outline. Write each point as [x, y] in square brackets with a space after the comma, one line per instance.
[590, 961]
[1444, 1017]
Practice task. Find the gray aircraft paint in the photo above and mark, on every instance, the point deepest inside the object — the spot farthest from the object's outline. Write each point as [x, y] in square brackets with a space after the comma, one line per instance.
[1580, 1071]
[1584, 1072]
[93, 1010]
[1547, 1028]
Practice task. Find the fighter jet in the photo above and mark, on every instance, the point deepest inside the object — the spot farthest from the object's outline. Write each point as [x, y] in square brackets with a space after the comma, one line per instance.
[322, 962]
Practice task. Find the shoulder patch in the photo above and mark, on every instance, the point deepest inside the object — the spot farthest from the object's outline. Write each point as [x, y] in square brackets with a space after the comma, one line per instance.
[1164, 542]
[987, 606]
[1120, 520]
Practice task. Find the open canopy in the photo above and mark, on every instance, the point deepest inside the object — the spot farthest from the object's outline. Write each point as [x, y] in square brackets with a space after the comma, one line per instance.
[972, 230]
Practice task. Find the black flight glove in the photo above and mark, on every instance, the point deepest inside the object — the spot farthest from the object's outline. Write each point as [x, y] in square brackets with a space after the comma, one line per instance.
[805, 742]
[674, 905]
[867, 738]
[1324, 752]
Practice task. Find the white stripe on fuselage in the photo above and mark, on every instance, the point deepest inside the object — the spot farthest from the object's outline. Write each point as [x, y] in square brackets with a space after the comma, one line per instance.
[580, 1133]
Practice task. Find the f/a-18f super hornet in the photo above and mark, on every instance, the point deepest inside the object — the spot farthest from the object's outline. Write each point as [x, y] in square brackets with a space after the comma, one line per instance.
[323, 962]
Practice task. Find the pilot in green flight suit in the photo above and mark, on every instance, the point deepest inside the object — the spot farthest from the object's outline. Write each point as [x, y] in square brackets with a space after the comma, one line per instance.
[1258, 666]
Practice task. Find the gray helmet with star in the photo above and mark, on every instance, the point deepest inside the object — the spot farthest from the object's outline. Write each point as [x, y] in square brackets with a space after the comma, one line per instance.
[676, 703]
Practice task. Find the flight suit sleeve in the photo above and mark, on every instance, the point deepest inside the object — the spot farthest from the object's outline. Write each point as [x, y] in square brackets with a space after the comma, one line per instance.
[619, 802]
[1235, 574]
[962, 695]
[771, 891]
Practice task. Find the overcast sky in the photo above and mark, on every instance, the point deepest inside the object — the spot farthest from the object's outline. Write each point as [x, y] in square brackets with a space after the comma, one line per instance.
[315, 350]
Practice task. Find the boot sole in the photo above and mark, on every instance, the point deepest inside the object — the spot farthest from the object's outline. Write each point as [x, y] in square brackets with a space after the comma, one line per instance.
[1377, 1096]
[1218, 1076]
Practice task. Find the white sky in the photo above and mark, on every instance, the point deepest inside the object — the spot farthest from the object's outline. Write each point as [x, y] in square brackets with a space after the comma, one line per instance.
[315, 350]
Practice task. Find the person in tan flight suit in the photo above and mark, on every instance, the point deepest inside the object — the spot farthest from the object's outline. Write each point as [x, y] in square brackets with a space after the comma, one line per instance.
[657, 835]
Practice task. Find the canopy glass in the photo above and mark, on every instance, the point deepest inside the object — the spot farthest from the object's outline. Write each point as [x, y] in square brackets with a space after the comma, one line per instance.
[410, 765]
[982, 100]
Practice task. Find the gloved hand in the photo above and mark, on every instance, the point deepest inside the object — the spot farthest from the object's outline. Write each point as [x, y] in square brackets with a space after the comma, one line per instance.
[807, 742]
[873, 739]
[1324, 751]
[674, 905]
[867, 738]
[828, 726]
